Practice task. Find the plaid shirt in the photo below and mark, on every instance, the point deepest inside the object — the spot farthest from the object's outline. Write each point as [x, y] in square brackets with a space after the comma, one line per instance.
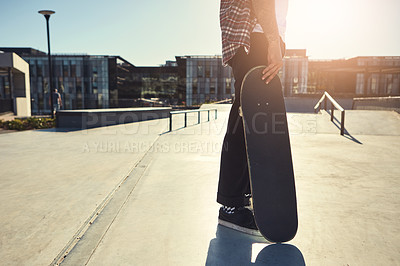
[237, 21]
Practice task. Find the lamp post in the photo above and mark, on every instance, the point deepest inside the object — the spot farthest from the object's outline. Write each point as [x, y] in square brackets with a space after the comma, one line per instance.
[47, 14]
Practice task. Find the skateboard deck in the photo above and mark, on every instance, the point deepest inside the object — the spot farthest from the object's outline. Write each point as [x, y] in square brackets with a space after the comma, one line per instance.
[269, 156]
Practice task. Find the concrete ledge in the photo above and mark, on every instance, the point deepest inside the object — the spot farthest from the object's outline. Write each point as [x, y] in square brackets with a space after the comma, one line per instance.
[91, 118]
[377, 103]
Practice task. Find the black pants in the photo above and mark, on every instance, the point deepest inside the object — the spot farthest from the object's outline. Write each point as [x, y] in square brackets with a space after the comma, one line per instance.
[234, 180]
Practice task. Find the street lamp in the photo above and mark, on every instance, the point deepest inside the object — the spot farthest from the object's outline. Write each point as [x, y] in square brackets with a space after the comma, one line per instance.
[47, 14]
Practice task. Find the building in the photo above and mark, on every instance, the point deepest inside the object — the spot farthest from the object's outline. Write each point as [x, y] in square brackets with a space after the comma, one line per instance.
[88, 81]
[206, 79]
[14, 85]
[84, 81]
[360, 76]
[376, 76]
[190, 81]
[163, 83]
[363, 76]
[294, 72]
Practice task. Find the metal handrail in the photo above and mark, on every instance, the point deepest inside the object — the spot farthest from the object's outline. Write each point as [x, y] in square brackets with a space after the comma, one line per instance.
[334, 105]
[191, 111]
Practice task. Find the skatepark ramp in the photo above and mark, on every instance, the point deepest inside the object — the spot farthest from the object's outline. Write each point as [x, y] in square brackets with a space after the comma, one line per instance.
[153, 191]
[358, 122]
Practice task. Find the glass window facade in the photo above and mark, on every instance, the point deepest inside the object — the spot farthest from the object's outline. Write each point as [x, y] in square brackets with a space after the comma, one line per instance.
[294, 75]
[360, 76]
[82, 81]
[161, 82]
[6, 100]
[109, 81]
[5, 90]
[206, 79]
[380, 76]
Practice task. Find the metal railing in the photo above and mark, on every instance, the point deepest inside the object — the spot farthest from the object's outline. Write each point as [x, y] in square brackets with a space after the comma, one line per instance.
[334, 105]
[191, 111]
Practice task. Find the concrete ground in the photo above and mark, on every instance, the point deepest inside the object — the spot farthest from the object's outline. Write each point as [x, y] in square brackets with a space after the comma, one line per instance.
[136, 195]
[52, 183]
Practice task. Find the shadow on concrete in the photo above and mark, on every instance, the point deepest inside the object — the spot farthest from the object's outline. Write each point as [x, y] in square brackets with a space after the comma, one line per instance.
[350, 137]
[234, 248]
[347, 135]
[280, 255]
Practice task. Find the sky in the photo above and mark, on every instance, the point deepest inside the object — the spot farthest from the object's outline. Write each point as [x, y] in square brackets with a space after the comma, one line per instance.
[147, 33]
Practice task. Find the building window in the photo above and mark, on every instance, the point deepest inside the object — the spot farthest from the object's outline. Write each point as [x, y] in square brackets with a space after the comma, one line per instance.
[228, 86]
[39, 69]
[360, 84]
[374, 84]
[208, 72]
[194, 88]
[212, 89]
[389, 88]
[65, 66]
[73, 69]
[200, 72]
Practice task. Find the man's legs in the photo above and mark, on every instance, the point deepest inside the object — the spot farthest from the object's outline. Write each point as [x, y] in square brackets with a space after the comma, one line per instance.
[55, 109]
[234, 176]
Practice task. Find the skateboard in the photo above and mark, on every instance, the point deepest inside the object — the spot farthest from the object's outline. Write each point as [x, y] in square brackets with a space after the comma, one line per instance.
[269, 156]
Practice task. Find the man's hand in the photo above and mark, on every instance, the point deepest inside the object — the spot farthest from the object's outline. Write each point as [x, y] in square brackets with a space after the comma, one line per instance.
[275, 62]
[265, 14]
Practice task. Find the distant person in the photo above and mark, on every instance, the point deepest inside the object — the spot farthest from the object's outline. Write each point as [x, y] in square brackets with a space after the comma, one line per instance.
[57, 102]
[251, 36]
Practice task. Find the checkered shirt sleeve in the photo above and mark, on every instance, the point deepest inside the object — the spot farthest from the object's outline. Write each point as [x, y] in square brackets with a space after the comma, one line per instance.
[237, 22]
